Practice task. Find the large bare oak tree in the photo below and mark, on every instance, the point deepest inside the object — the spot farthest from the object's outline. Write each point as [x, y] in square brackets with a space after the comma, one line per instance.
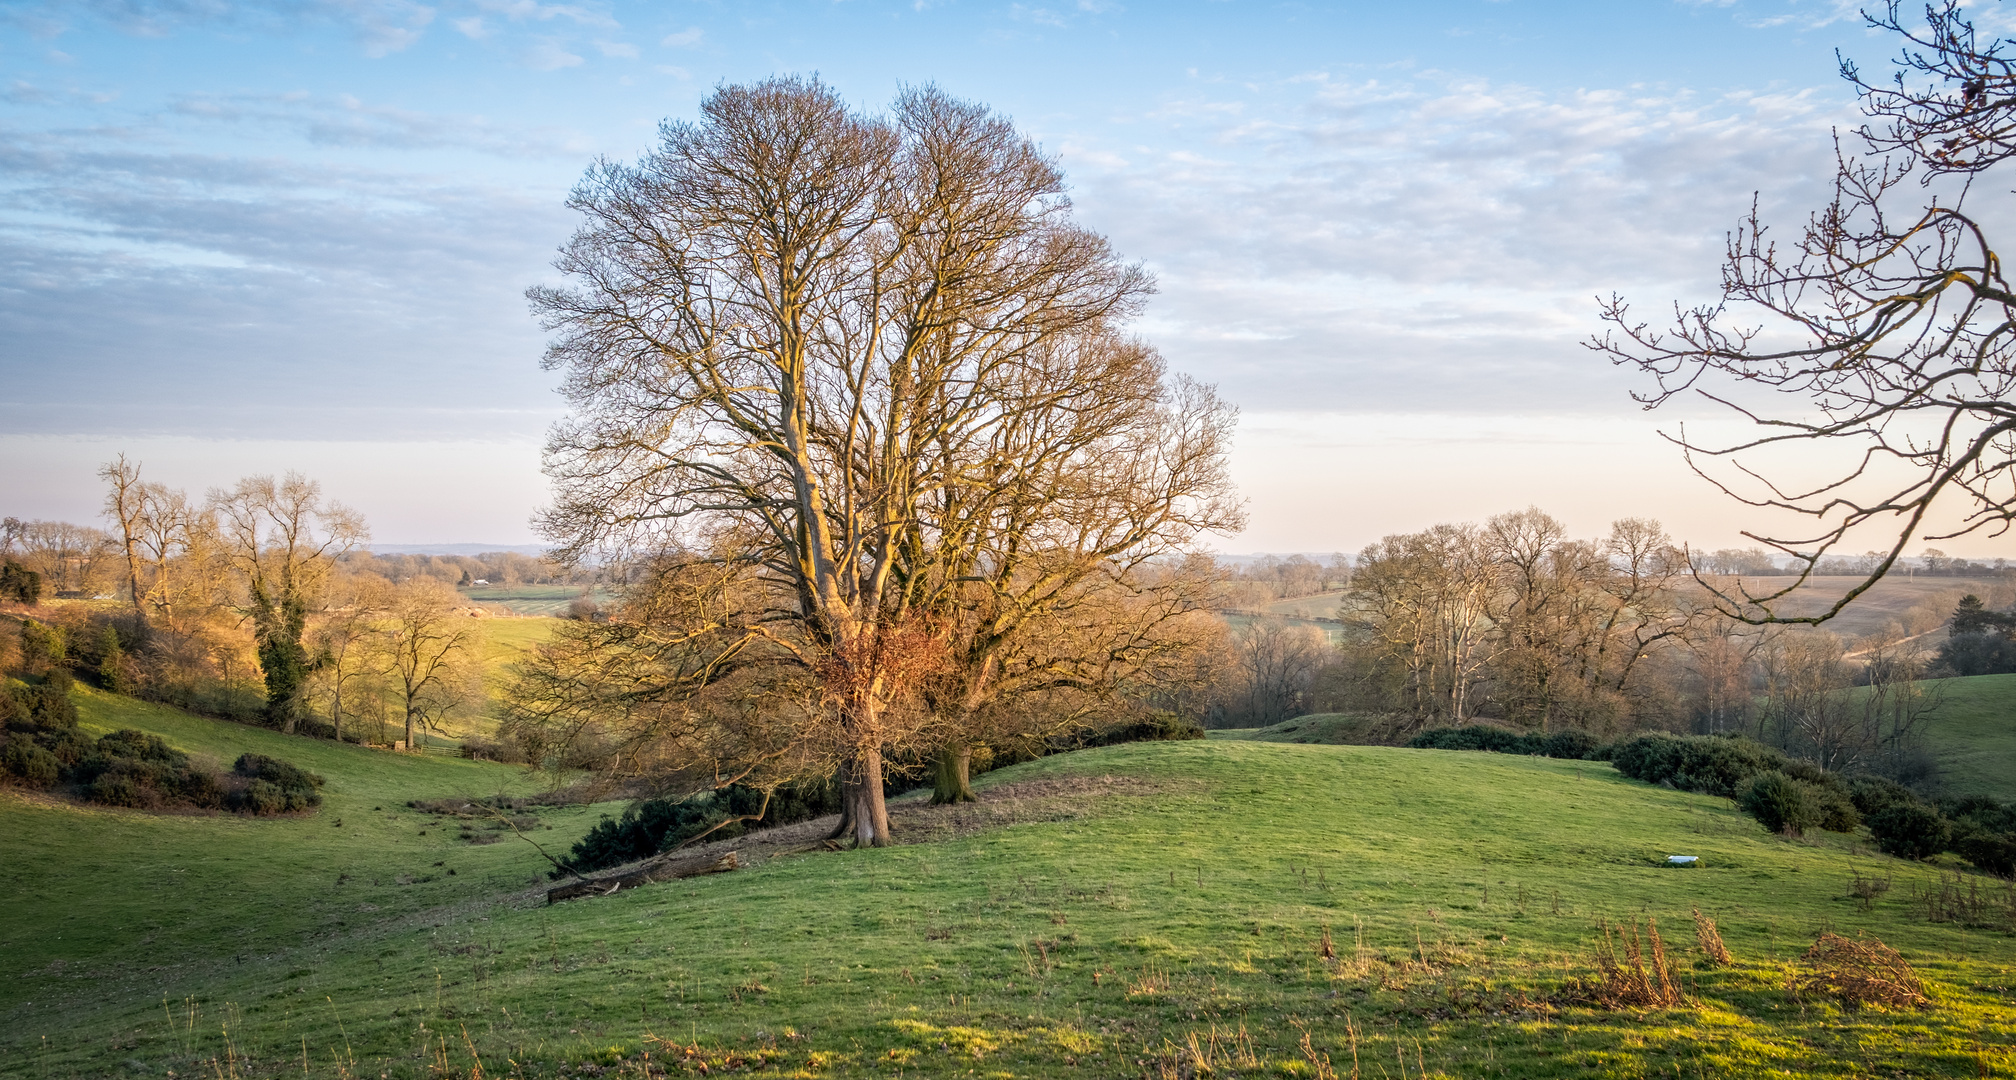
[794, 340]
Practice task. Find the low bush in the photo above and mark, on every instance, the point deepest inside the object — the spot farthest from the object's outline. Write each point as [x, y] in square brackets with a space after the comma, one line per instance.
[1155, 727]
[1573, 745]
[1911, 830]
[1994, 852]
[1872, 794]
[22, 760]
[1779, 802]
[1706, 763]
[273, 786]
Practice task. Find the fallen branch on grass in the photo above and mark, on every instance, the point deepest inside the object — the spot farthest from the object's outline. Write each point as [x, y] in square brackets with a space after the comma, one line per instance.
[649, 873]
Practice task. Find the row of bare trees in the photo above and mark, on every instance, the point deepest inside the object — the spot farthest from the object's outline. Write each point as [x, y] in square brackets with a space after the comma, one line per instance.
[247, 593]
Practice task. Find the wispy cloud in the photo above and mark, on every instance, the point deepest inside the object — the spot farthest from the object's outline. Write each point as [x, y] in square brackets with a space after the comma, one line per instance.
[684, 39]
[347, 121]
[1334, 243]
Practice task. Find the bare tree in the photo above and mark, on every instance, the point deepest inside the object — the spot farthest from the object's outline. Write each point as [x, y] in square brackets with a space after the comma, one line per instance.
[124, 504]
[1879, 338]
[281, 539]
[348, 644]
[429, 643]
[797, 330]
[1278, 661]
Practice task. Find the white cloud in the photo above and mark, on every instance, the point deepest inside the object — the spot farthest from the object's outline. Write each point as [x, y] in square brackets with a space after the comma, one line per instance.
[549, 56]
[617, 48]
[1038, 15]
[673, 70]
[473, 28]
[518, 10]
[684, 39]
[347, 121]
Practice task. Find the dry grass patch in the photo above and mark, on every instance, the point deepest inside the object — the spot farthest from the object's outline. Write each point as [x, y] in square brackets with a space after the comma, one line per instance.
[1859, 972]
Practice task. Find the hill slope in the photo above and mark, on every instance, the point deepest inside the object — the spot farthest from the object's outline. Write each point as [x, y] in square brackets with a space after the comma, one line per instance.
[1150, 897]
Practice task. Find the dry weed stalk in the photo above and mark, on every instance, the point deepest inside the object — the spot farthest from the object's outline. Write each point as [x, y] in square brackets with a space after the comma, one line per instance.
[1711, 940]
[1626, 983]
[1867, 889]
[1964, 900]
[1859, 972]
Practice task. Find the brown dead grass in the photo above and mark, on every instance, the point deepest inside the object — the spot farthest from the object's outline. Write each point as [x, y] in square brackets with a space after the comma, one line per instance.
[1710, 940]
[1641, 978]
[1859, 972]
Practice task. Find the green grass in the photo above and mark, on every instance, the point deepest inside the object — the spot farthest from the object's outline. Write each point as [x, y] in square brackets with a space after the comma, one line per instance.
[530, 599]
[100, 901]
[1973, 735]
[1335, 729]
[1070, 947]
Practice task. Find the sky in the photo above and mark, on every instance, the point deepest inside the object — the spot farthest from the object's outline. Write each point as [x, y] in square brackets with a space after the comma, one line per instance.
[246, 236]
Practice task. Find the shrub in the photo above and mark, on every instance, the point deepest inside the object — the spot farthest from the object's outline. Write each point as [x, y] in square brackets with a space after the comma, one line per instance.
[295, 785]
[1572, 745]
[21, 759]
[20, 584]
[116, 789]
[1872, 794]
[1911, 830]
[260, 797]
[1705, 763]
[1837, 811]
[505, 751]
[1994, 852]
[48, 705]
[1780, 803]
[140, 746]
[1155, 727]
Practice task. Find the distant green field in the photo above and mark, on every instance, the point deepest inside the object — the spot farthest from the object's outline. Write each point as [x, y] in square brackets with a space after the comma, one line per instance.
[1973, 735]
[549, 600]
[1162, 895]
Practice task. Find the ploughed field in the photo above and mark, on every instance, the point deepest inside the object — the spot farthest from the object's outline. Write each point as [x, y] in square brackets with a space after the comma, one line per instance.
[1150, 909]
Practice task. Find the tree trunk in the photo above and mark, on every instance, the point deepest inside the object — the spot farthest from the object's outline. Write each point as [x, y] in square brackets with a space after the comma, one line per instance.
[409, 731]
[865, 805]
[955, 775]
[649, 874]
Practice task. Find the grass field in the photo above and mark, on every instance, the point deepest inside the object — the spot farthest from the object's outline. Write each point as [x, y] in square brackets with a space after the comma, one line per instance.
[1332, 729]
[1973, 736]
[1148, 896]
[546, 600]
[101, 905]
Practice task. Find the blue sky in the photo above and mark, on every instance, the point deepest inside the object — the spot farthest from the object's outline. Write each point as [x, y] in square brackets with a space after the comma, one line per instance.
[241, 237]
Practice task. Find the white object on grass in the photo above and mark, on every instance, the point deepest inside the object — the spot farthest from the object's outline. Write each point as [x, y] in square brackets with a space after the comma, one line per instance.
[1682, 860]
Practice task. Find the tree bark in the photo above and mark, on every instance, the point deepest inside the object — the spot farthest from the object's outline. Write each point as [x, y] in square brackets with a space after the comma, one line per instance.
[955, 775]
[868, 812]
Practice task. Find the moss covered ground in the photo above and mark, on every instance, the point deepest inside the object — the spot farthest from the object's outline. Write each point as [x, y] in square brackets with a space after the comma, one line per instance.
[1176, 924]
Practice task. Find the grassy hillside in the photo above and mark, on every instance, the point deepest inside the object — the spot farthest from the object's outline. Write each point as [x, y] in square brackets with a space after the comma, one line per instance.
[1334, 729]
[104, 903]
[1973, 735]
[1125, 904]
